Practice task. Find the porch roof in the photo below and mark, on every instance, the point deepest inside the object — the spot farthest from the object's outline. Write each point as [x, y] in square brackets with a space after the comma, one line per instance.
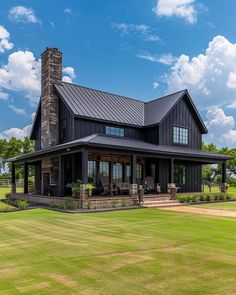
[126, 144]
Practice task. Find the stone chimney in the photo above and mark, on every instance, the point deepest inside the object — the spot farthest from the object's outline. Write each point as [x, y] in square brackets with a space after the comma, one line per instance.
[51, 73]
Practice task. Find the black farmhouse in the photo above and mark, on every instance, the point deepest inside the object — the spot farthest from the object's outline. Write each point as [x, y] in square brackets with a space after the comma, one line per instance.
[104, 138]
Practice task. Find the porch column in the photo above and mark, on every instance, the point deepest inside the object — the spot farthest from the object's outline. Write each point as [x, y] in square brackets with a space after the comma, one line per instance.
[26, 170]
[61, 177]
[223, 172]
[84, 166]
[172, 170]
[13, 178]
[133, 168]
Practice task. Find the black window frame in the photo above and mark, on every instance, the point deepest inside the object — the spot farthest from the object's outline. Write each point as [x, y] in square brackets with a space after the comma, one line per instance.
[115, 131]
[180, 135]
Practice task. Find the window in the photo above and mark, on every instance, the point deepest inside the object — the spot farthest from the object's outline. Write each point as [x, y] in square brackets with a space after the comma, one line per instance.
[179, 174]
[127, 173]
[104, 168]
[139, 173]
[91, 171]
[180, 135]
[117, 173]
[115, 131]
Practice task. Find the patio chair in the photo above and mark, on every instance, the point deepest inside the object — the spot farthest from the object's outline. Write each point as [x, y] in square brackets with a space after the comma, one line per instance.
[150, 185]
[107, 187]
[123, 188]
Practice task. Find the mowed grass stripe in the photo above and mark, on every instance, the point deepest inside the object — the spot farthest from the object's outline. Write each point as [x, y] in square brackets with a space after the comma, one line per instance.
[145, 251]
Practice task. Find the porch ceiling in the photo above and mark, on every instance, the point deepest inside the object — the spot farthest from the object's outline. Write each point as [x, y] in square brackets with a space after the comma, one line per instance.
[113, 144]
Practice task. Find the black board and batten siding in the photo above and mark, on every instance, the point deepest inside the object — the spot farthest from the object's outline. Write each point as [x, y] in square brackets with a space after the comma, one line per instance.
[65, 117]
[182, 116]
[84, 127]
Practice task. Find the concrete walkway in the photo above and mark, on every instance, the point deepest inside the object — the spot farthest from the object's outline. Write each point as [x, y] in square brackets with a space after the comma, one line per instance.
[203, 211]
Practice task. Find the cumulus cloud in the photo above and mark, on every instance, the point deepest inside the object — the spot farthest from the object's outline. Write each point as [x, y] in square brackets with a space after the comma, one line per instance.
[210, 76]
[16, 132]
[3, 95]
[22, 73]
[69, 74]
[18, 111]
[185, 9]
[220, 127]
[142, 31]
[5, 44]
[23, 14]
[166, 59]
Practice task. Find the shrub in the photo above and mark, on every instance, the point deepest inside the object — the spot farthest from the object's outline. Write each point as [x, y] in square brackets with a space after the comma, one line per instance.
[208, 198]
[216, 197]
[222, 197]
[228, 197]
[202, 198]
[22, 204]
[181, 198]
[89, 204]
[7, 195]
[114, 203]
[123, 203]
[194, 198]
[76, 205]
[63, 205]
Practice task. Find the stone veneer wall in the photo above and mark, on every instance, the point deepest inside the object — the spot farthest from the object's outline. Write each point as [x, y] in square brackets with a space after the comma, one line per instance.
[51, 73]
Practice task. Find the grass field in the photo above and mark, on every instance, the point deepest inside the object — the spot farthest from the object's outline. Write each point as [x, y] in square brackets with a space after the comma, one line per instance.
[146, 251]
[3, 191]
[215, 189]
[222, 205]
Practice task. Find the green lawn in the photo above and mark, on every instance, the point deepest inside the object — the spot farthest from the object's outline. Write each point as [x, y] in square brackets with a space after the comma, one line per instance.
[222, 205]
[3, 191]
[146, 251]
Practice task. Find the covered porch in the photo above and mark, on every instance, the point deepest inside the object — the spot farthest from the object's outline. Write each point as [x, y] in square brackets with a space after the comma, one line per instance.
[112, 172]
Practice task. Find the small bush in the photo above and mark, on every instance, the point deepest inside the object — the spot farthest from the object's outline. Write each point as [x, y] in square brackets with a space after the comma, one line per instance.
[114, 203]
[194, 198]
[89, 204]
[202, 198]
[208, 198]
[123, 203]
[7, 195]
[222, 197]
[228, 197]
[76, 205]
[181, 198]
[216, 197]
[22, 204]
[63, 205]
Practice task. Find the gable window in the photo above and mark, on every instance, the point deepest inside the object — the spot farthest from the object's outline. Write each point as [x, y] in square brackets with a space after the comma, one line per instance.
[179, 174]
[180, 135]
[115, 131]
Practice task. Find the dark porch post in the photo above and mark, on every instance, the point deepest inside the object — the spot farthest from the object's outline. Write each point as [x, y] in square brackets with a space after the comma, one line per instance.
[13, 178]
[61, 177]
[133, 168]
[84, 166]
[172, 170]
[26, 170]
[223, 172]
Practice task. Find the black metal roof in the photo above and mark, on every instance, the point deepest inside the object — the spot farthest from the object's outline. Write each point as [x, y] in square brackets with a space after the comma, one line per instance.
[115, 143]
[95, 104]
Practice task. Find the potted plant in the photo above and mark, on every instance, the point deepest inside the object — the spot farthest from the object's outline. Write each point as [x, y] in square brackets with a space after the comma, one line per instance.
[75, 187]
[90, 187]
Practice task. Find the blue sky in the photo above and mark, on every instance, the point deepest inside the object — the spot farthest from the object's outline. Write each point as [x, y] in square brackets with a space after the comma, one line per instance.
[141, 49]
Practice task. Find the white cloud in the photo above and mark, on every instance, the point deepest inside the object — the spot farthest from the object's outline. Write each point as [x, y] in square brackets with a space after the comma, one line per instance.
[185, 9]
[23, 14]
[144, 32]
[16, 132]
[69, 74]
[3, 95]
[155, 85]
[166, 59]
[5, 44]
[18, 111]
[22, 73]
[68, 10]
[210, 76]
[220, 127]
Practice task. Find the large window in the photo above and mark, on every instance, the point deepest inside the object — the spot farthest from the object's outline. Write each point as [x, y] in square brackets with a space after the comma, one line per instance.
[115, 131]
[179, 174]
[128, 173]
[104, 168]
[117, 173]
[180, 135]
[139, 173]
[91, 171]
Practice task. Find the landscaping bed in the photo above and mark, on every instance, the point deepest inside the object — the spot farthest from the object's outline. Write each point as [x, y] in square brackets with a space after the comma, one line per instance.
[204, 198]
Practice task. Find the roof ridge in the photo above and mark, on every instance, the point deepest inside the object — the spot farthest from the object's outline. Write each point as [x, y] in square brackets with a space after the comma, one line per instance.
[77, 85]
[165, 96]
